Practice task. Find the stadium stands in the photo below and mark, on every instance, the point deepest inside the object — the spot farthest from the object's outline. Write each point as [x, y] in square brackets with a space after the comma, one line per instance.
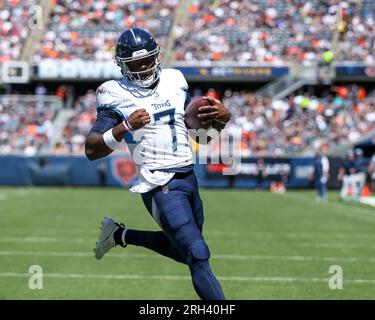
[14, 17]
[26, 123]
[88, 29]
[78, 126]
[301, 123]
[271, 31]
[262, 31]
[358, 35]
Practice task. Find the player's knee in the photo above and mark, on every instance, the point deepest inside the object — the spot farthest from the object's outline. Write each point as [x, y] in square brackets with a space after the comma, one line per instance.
[200, 251]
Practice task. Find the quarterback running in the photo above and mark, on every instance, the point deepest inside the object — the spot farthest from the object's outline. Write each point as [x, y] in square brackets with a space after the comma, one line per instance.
[146, 108]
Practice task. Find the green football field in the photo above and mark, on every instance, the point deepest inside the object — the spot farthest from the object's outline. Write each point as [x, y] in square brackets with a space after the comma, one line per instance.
[263, 246]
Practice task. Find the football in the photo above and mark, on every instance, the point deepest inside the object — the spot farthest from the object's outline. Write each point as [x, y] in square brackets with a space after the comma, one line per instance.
[191, 113]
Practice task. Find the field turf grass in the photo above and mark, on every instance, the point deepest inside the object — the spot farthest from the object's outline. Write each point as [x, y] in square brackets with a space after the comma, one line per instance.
[263, 246]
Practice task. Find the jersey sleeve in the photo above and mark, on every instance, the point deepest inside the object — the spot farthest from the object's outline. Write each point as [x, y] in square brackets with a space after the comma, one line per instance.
[105, 120]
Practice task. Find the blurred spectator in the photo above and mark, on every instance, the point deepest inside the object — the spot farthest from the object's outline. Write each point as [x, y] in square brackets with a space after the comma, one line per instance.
[102, 174]
[66, 94]
[346, 172]
[372, 173]
[359, 178]
[321, 174]
[60, 149]
[261, 173]
[40, 90]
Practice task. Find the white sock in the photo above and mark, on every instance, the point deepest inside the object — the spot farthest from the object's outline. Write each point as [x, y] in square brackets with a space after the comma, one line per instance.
[123, 237]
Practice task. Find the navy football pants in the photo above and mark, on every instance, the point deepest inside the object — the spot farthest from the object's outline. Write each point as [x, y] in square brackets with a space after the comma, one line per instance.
[178, 210]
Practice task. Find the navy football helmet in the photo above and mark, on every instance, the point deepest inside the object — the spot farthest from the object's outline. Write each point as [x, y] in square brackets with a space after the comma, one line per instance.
[138, 56]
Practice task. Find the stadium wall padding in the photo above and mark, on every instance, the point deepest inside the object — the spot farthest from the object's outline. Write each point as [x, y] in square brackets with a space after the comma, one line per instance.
[117, 171]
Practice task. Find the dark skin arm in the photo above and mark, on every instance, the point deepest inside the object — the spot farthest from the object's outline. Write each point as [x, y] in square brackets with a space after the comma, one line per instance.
[95, 147]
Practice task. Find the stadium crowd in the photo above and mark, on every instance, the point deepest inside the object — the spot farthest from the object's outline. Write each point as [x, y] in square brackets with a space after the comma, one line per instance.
[78, 126]
[273, 31]
[14, 22]
[302, 122]
[265, 31]
[25, 126]
[88, 29]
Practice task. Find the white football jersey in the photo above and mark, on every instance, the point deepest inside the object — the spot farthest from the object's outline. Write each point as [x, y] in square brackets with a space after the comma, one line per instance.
[164, 142]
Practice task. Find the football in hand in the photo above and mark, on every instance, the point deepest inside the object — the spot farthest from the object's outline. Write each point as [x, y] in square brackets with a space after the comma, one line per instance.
[191, 113]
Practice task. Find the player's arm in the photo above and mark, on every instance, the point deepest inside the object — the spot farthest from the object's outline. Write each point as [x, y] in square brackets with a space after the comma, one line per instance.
[216, 115]
[109, 130]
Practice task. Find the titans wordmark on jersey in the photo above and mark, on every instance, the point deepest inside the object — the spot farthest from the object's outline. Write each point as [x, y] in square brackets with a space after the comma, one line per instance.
[164, 142]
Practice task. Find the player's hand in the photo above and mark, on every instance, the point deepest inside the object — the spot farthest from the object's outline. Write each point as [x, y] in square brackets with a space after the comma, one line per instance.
[216, 111]
[139, 119]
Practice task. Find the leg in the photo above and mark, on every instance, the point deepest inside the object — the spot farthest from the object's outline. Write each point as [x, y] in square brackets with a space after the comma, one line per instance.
[154, 240]
[355, 186]
[178, 222]
[362, 182]
[318, 187]
[324, 191]
[344, 188]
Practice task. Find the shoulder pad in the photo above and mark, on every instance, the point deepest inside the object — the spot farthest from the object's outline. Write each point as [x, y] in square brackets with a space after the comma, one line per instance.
[105, 97]
[177, 77]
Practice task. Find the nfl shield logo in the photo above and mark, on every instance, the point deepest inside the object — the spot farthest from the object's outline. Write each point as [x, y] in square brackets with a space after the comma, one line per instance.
[165, 189]
[124, 170]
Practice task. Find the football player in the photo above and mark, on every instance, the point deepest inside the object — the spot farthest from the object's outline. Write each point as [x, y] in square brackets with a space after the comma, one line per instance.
[146, 108]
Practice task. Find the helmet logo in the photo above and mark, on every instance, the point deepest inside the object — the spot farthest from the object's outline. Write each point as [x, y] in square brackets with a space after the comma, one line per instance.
[139, 53]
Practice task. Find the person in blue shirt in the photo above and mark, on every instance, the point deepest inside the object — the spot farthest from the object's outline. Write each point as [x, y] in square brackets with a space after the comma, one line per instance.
[359, 178]
[321, 175]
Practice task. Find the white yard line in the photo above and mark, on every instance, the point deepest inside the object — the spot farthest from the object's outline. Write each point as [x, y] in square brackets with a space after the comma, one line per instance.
[179, 277]
[216, 256]
[45, 240]
[317, 244]
[299, 244]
